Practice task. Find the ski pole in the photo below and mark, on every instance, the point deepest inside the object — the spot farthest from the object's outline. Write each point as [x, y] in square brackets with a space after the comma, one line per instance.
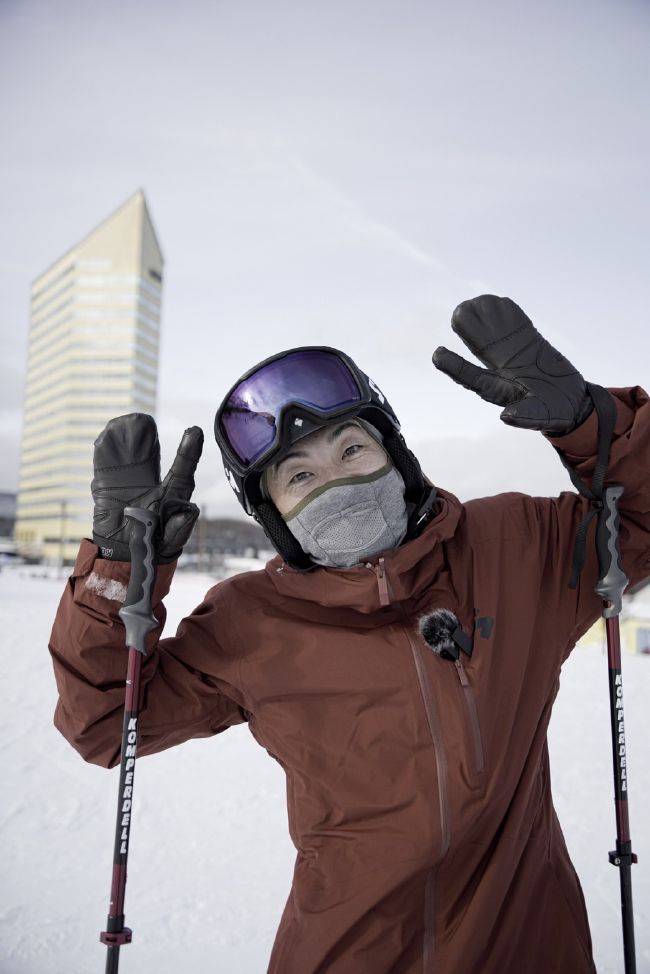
[139, 620]
[610, 587]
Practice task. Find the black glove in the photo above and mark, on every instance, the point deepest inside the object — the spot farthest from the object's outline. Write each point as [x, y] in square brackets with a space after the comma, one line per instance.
[539, 387]
[127, 474]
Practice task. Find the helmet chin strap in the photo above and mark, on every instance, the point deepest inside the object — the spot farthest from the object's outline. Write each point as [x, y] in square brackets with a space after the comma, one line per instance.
[421, 514]
[420, 495]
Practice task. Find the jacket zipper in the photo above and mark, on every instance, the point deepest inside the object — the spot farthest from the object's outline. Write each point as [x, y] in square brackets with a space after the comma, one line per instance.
[387, 597]
[473, 716]
[382, 582]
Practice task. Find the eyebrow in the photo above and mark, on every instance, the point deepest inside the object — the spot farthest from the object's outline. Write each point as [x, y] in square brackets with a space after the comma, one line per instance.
[334, 435]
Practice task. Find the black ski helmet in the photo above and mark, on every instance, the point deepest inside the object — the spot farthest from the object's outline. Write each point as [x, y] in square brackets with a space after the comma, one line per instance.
[286, 397]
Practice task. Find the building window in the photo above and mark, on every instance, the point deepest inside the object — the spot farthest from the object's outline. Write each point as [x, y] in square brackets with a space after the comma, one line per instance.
[37, 308]
[50, 284]
[95, 264]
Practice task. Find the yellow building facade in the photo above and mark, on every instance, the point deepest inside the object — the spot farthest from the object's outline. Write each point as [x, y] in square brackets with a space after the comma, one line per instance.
[634, 628]
[93, 355]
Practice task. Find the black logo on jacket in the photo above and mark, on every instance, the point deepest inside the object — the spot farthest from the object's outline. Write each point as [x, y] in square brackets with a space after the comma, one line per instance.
[485, 624]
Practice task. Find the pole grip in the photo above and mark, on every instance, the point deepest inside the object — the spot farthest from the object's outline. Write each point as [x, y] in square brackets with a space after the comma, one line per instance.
[611, 577]
[136, 613]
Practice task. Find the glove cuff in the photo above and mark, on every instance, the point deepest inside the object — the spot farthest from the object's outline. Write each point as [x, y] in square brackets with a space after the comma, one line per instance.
[583, 415]
[112, 550]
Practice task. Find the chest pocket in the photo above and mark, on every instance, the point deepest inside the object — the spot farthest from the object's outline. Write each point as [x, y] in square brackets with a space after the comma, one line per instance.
[456, 702]
[443, 634]
[473, 725]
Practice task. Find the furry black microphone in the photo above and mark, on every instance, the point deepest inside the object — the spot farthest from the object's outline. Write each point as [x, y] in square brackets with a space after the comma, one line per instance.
[442, 631]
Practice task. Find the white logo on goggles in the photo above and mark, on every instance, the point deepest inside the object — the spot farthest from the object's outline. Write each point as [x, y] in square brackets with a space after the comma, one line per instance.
[378, 391]
[231, 479]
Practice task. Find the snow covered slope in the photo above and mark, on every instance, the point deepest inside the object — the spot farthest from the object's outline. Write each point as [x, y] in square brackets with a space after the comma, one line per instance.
[210, 864]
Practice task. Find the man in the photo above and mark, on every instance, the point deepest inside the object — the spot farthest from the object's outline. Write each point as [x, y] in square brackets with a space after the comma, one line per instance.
[418, 780]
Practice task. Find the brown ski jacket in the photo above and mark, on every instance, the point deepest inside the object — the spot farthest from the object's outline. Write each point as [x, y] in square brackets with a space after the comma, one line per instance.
[418, 788]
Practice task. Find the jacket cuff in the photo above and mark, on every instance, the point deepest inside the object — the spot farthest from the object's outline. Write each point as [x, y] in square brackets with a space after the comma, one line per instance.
[100, 582]
[582, 443]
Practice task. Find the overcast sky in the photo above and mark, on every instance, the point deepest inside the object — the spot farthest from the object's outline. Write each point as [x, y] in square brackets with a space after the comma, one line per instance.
[340, 172]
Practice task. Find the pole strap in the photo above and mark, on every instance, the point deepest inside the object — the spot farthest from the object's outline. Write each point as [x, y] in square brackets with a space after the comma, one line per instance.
[606, 410]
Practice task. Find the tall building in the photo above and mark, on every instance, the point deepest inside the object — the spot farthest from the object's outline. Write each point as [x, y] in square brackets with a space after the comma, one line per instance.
[93, 354]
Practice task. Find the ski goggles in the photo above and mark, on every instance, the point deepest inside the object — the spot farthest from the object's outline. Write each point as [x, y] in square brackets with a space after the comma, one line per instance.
[285, 398]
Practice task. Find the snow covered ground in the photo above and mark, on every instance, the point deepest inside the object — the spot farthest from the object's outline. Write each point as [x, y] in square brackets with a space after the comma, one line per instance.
[211, 863]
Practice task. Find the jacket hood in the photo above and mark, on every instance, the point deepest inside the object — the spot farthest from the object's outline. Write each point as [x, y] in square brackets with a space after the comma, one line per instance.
[410, 568]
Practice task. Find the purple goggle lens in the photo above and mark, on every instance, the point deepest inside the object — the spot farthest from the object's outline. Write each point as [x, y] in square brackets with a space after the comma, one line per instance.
[316, 379]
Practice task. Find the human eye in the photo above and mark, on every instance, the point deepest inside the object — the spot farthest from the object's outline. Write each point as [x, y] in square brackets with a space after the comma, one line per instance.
[350, 451]
[356, 444]
[299, 477]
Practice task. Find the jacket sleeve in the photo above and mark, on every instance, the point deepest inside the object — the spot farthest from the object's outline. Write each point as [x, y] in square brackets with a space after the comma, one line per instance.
[189, 682]
[629, 465]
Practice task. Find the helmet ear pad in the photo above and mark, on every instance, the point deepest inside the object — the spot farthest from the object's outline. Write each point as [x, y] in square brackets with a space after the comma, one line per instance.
[281, 537]
[274, 526]
[407, 465]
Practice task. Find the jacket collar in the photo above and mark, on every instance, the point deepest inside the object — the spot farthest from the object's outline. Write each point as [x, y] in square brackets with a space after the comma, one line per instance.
[410, 568]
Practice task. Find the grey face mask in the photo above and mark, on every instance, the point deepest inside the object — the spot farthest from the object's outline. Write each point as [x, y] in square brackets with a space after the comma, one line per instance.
[347, 521]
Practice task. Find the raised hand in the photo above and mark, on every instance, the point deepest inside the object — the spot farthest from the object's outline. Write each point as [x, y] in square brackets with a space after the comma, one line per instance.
[539, 388]
[127, 474]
